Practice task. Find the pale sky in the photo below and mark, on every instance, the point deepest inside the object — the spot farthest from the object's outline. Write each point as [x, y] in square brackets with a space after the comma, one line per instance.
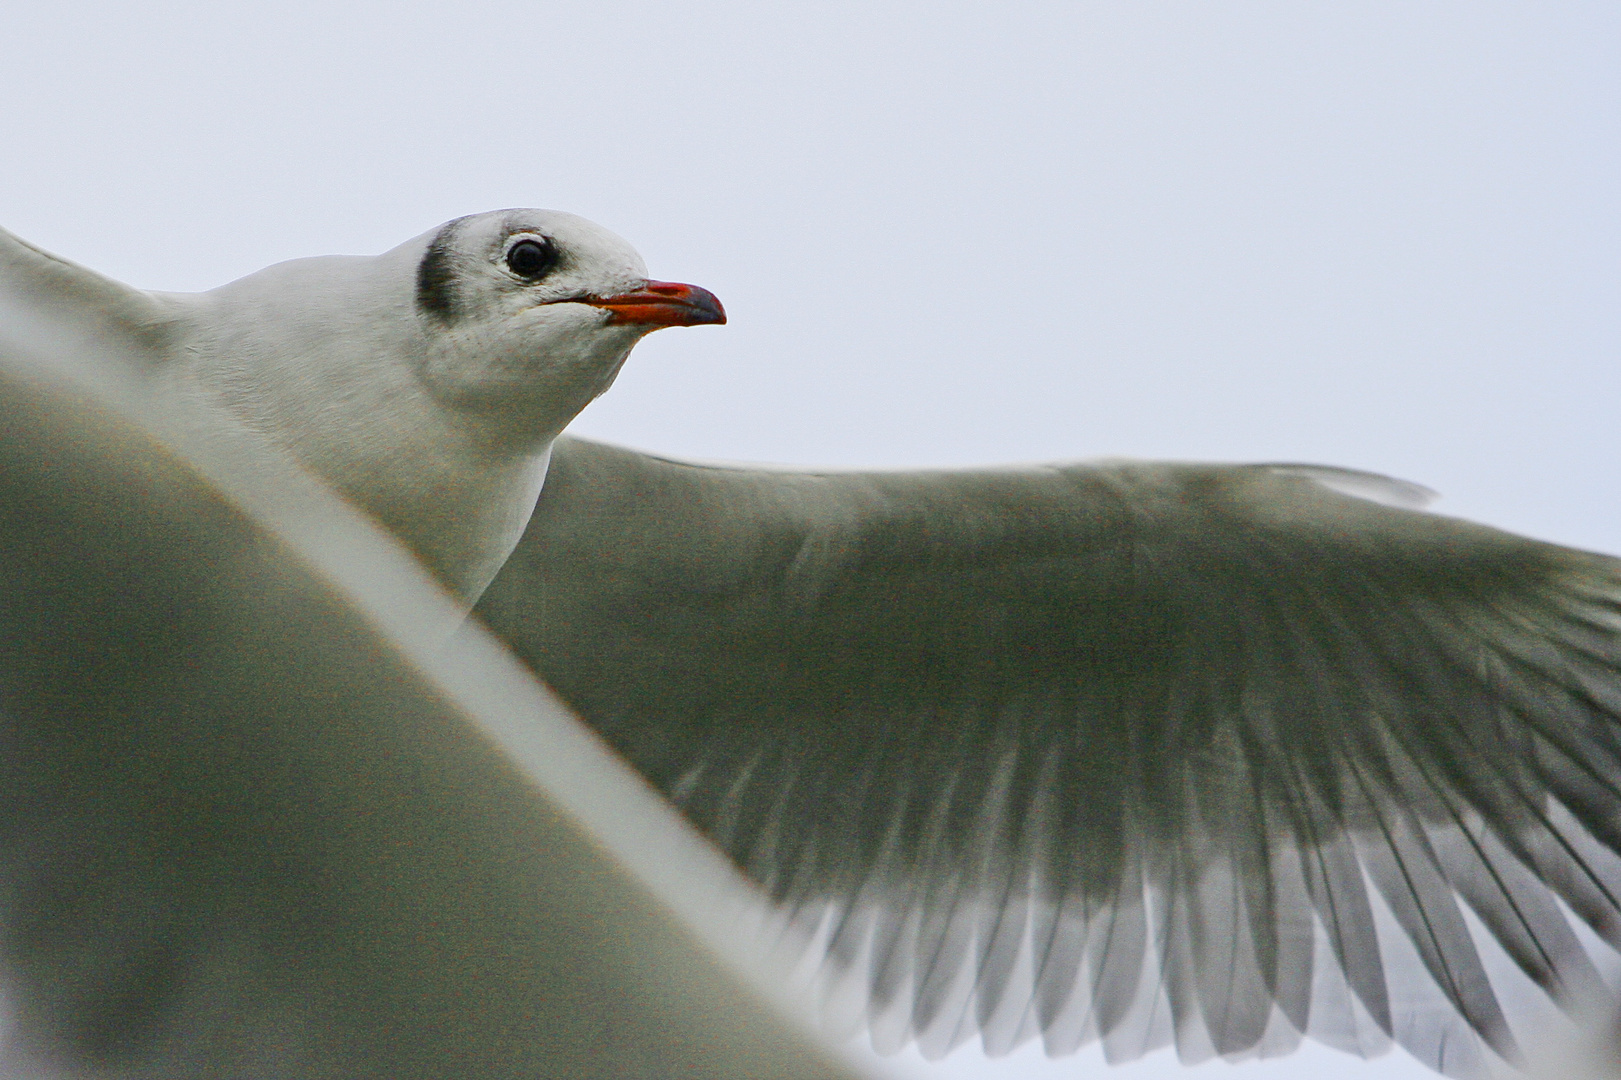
[1381, 235]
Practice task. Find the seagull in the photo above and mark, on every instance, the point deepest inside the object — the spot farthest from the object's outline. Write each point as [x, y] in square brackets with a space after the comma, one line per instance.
[1138, 753]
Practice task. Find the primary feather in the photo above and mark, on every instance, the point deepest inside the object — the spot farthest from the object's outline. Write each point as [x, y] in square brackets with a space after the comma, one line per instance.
[1120, 751]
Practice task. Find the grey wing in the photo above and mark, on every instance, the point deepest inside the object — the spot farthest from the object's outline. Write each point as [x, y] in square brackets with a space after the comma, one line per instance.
[251, 827]
[1123, 751]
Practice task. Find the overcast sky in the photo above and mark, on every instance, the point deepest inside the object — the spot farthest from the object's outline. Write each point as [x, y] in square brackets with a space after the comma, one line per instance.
[1382, 235]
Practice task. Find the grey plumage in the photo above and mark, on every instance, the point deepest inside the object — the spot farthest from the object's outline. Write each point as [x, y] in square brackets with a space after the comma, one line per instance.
[248, 829]
[1150, 721]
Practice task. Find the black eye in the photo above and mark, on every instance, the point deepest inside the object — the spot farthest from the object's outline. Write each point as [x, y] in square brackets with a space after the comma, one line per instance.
[530, 259]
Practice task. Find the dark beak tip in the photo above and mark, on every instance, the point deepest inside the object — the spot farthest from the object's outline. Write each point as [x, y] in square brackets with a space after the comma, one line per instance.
[664, 303]
[710, 309]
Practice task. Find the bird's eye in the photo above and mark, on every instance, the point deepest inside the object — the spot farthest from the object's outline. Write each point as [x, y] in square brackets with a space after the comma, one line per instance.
[530, 259]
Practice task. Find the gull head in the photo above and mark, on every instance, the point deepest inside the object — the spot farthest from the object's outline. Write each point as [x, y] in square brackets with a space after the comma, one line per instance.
[531, 313]
[427, 383]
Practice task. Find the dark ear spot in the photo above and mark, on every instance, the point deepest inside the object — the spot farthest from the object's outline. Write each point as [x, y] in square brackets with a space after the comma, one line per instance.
[436, 277]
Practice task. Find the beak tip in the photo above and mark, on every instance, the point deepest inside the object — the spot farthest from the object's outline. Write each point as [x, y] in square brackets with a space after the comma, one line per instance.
[664, 303]
[714, 314]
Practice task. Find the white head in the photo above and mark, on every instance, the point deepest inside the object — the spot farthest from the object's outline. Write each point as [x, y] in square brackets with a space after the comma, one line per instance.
[428, 382]
[532, 312]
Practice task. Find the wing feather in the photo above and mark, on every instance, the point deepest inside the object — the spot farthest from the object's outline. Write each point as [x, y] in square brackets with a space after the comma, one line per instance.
[1125, 752]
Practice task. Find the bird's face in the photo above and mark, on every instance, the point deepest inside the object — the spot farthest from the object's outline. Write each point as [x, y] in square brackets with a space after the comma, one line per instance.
[427, 383]
[531, 313]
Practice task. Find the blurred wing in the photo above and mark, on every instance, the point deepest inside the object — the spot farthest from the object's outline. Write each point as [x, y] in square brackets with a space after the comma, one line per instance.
[251, 826]
[1121, 751]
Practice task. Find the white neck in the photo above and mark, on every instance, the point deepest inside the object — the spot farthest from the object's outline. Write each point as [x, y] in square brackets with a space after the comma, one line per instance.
[316, 366]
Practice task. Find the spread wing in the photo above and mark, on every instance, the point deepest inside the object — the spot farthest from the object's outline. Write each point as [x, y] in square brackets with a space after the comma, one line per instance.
[1122, 751]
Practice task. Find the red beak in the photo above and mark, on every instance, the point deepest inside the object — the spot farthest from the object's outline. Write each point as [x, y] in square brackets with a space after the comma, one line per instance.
[662, 303]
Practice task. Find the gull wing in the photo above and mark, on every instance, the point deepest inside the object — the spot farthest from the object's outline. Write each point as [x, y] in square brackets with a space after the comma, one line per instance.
[1128, 751]
[257, 823]
[75, 299]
